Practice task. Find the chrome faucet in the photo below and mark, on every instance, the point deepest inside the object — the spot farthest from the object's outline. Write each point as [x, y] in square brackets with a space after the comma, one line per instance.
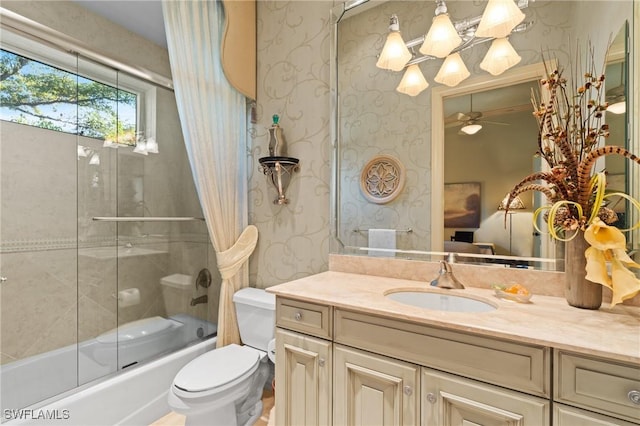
[445, 278]
[198, 300]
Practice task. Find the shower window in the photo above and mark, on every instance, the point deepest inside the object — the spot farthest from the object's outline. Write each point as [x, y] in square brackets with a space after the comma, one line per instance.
[43, 87]
[45, 96]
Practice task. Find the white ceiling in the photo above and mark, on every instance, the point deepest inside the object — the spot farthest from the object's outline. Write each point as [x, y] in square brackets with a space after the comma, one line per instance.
[143, 17]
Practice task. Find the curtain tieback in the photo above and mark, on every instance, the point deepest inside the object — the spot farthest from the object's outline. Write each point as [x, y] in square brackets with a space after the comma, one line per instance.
[231, 260]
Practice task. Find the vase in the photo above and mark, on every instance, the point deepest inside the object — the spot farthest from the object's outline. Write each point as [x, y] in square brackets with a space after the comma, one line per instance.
[579, 292]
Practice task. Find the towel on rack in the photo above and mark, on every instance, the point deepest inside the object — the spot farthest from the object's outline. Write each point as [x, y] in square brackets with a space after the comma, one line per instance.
[382, 239]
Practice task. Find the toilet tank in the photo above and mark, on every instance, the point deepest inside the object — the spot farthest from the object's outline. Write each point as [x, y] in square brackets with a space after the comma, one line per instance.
[256, 312]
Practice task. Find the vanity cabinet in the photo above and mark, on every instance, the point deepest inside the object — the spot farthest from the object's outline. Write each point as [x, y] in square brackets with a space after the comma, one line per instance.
[343, 367]
[304, 367]
[370, 389]
[606, 387]
[303, 379]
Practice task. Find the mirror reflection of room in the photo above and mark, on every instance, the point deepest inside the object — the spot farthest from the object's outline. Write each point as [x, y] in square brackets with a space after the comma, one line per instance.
[494, 157]
[471, 133]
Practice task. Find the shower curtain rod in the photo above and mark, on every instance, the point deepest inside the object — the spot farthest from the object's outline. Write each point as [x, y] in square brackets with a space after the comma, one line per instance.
[25, 26]
[147, 219]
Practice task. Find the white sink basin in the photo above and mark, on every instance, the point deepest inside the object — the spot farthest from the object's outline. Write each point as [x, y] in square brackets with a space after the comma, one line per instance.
[440, 302]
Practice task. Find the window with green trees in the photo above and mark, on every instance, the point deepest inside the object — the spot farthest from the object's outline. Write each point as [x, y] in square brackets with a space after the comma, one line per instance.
[42, 95]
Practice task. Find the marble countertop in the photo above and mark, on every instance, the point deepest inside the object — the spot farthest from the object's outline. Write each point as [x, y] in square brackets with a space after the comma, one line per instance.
[546, 321]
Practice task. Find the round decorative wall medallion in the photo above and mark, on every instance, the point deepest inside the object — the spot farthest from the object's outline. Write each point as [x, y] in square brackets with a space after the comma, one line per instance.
[382, 179]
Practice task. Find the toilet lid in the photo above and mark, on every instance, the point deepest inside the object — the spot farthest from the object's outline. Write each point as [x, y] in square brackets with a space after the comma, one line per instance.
[216, 368]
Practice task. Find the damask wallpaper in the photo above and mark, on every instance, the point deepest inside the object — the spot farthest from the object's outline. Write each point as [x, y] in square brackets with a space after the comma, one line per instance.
[293, 82]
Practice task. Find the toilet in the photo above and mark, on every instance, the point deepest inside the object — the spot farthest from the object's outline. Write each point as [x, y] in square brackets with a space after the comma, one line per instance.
[224, 386]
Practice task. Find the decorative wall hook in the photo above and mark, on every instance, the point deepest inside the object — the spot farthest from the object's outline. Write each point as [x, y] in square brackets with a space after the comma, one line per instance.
[277, 166]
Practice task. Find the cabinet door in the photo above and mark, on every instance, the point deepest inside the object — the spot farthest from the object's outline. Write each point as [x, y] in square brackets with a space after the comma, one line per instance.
[373, 390]
[563, 415]
[449, 400]
[303, 380]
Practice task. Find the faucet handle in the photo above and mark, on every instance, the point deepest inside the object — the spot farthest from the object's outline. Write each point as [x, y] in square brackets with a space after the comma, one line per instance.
[446, 279]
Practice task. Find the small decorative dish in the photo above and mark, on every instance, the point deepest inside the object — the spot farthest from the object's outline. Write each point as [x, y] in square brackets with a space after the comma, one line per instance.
[513, 292]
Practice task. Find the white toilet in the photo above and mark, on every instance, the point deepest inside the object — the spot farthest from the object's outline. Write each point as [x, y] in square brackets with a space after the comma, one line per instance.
[224, 386]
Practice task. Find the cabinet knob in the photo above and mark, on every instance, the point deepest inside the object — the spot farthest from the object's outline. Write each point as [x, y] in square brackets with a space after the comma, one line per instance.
[431, 398]
[297, 316]
[634, 396]
[408, 390]
[321, 362]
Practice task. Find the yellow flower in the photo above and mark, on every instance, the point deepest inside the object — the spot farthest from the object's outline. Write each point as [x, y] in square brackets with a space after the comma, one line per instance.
[608, 245]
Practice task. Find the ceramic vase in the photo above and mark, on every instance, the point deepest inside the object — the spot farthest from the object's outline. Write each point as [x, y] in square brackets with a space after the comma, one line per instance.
[579, 292]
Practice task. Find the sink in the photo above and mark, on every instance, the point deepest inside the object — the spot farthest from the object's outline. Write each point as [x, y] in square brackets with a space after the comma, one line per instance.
[440, 302]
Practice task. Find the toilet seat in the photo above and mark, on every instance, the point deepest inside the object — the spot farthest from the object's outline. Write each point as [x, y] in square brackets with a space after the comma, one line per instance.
[217, 369]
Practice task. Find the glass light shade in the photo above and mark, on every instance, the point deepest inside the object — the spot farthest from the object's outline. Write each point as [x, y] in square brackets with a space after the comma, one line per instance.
[394, 55]
[500, 17]
[413, 81]
[500, 57]
[452, 71]
[471, 129]
[618, 107]
[141, 148]
[441, 38]
[95, 159]
[152, 145]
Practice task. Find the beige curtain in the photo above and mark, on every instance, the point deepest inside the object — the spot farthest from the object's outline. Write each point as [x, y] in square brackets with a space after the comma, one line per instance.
[214, 124]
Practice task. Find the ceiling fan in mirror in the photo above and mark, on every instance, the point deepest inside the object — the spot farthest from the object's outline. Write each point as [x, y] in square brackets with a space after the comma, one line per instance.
[470, 122]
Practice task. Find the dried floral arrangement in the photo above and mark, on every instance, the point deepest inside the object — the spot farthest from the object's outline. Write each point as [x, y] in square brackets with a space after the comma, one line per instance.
[572, 137]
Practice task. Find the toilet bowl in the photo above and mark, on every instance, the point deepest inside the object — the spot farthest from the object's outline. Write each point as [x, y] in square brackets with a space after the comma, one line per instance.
[224, 386]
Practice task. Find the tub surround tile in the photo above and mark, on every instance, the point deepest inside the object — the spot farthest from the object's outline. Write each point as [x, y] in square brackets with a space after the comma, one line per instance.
[26, 299]
[547, 321]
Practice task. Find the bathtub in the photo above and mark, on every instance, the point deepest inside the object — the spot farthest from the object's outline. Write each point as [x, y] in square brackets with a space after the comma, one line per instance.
[133, 396]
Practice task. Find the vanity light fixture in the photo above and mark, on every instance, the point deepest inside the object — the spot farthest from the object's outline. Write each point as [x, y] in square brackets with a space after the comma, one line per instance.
[500, 17]
[500, 57]
[445, 39]
[442, 36]
[395, 54]
[413, 81]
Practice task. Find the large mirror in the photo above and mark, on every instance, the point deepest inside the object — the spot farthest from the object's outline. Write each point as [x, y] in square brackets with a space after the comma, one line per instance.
[375, 123]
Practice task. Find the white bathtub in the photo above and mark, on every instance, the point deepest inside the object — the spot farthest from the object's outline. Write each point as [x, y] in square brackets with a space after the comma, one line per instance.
[134, 396]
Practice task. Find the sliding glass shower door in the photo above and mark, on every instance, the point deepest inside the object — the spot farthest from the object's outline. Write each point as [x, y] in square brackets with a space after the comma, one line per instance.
[104, 256]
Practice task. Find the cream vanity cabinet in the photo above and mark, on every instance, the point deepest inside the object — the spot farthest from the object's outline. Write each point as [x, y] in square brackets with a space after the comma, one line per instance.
[304, 367]
[584, 385]
[342, 367]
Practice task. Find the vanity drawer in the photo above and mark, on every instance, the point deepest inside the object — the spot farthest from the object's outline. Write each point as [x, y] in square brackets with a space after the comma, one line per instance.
[604, 386]
[513, 365]
[309, 318]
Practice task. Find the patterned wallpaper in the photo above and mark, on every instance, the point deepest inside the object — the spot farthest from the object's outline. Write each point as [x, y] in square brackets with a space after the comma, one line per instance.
[293, 82]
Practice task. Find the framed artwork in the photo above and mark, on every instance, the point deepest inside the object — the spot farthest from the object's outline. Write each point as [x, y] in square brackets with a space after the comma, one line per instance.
[462, 205]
